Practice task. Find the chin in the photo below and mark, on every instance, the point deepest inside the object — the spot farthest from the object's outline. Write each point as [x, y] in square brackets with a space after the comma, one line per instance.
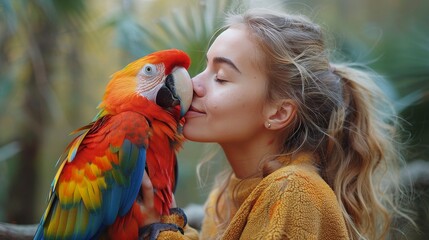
[188, 133]
[195, 135]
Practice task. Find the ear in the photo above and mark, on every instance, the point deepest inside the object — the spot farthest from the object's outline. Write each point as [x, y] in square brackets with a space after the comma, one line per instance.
[280, 114]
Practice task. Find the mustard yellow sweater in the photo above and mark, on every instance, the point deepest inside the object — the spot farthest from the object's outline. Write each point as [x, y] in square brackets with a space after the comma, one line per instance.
[293, 202]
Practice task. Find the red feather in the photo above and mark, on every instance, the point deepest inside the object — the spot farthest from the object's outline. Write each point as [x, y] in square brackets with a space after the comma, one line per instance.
[127, 122]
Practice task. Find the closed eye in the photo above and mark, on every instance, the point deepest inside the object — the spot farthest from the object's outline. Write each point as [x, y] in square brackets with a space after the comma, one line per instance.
[220, 81]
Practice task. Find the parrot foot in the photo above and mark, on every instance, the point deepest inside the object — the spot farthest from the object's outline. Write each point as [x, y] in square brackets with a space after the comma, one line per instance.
[175, 221]
[152, 231]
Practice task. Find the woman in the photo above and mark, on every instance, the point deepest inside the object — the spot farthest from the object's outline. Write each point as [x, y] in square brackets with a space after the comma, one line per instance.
[308, 141]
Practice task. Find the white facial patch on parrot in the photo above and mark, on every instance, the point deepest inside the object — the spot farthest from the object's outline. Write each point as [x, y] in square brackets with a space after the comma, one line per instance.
[150, 80]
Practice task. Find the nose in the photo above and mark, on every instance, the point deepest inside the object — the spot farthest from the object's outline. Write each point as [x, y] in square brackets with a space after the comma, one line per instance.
[197, 83]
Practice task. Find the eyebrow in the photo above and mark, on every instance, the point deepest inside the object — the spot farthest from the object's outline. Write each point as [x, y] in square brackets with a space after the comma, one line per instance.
[218, 60]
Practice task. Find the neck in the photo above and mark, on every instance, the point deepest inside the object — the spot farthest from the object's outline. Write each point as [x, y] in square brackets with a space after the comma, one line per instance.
[246, 158]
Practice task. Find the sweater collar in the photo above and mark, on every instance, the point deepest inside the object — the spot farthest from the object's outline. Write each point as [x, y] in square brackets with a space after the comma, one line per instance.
[240, 189]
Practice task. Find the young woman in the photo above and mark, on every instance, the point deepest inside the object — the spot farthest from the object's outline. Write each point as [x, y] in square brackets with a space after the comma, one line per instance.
[309, 142]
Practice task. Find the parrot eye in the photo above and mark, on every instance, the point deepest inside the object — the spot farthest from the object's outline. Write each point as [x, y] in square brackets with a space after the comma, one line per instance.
[149, 70]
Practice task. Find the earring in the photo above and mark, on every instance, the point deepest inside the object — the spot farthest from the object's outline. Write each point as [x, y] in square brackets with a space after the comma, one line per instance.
[268, 125]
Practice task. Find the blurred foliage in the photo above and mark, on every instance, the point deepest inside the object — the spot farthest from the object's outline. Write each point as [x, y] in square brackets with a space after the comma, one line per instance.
[31, 32]
[56, 57]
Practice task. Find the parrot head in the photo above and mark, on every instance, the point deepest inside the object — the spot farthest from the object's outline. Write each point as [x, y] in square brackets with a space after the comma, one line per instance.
[160, 77]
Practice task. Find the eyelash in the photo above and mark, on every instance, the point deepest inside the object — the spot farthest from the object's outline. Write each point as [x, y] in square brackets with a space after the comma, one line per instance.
[220, 81]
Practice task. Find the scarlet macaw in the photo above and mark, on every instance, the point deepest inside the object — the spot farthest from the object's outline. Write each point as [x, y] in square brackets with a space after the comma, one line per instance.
[95, 191]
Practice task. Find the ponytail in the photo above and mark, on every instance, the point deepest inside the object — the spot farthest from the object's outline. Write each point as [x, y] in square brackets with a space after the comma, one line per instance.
[362, 149]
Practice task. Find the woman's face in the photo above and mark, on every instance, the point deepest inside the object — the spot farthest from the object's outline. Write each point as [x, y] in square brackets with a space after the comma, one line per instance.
[230, 94]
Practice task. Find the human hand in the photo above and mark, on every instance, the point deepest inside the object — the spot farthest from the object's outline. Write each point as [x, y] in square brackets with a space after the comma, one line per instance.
[146, 204]
[155, 226]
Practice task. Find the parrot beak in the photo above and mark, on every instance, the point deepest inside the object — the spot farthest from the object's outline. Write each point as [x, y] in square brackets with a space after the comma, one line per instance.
[177, 90]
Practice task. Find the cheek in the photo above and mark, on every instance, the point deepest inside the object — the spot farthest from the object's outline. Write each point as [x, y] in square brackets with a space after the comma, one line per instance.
[235, 103]
[237, 114]
[225, 105]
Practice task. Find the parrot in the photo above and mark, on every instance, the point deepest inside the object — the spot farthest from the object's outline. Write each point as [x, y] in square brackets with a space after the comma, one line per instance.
[95, 193]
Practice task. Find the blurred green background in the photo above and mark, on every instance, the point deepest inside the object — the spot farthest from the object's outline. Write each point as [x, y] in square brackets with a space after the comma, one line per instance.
[56, 57]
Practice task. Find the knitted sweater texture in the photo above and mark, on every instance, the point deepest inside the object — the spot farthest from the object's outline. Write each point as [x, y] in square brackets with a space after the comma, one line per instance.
[293, 202]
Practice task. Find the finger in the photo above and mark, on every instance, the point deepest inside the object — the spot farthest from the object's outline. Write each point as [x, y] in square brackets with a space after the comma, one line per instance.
[173, 202]
[147, 191]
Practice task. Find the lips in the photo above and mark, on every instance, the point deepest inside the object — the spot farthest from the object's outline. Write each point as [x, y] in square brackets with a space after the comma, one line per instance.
[192, 108]
[194, 112]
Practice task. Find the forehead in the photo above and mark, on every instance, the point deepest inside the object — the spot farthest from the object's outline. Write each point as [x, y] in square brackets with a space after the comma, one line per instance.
[236, 44]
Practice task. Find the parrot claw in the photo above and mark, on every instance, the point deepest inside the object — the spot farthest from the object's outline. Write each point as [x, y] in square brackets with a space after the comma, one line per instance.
[151, 231]
[175, 221]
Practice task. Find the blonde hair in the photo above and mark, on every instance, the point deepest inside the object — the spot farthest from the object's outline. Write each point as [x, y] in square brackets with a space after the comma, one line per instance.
[342, 117]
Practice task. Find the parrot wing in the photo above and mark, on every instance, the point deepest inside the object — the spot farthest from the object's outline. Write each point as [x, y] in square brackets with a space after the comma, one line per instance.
[99, 179]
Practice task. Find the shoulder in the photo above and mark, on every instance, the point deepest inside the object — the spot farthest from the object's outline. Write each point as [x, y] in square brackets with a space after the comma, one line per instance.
[303, 178]
[293, 202]
[298, 188]
[296, 194]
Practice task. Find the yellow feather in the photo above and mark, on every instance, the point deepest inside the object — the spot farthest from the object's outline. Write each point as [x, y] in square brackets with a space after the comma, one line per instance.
[62, 222]
[53, 224]
[66, 192]
[61, 192]
[71, 222]
[97, 194]
[83, 190]
[95, 170]
[57, 176]
[70, 189]
[76, 196]
[101, 183]
[92, 195]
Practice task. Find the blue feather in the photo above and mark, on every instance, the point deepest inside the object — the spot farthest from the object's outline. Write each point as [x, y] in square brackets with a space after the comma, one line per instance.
[130, 193]
[111, 203]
